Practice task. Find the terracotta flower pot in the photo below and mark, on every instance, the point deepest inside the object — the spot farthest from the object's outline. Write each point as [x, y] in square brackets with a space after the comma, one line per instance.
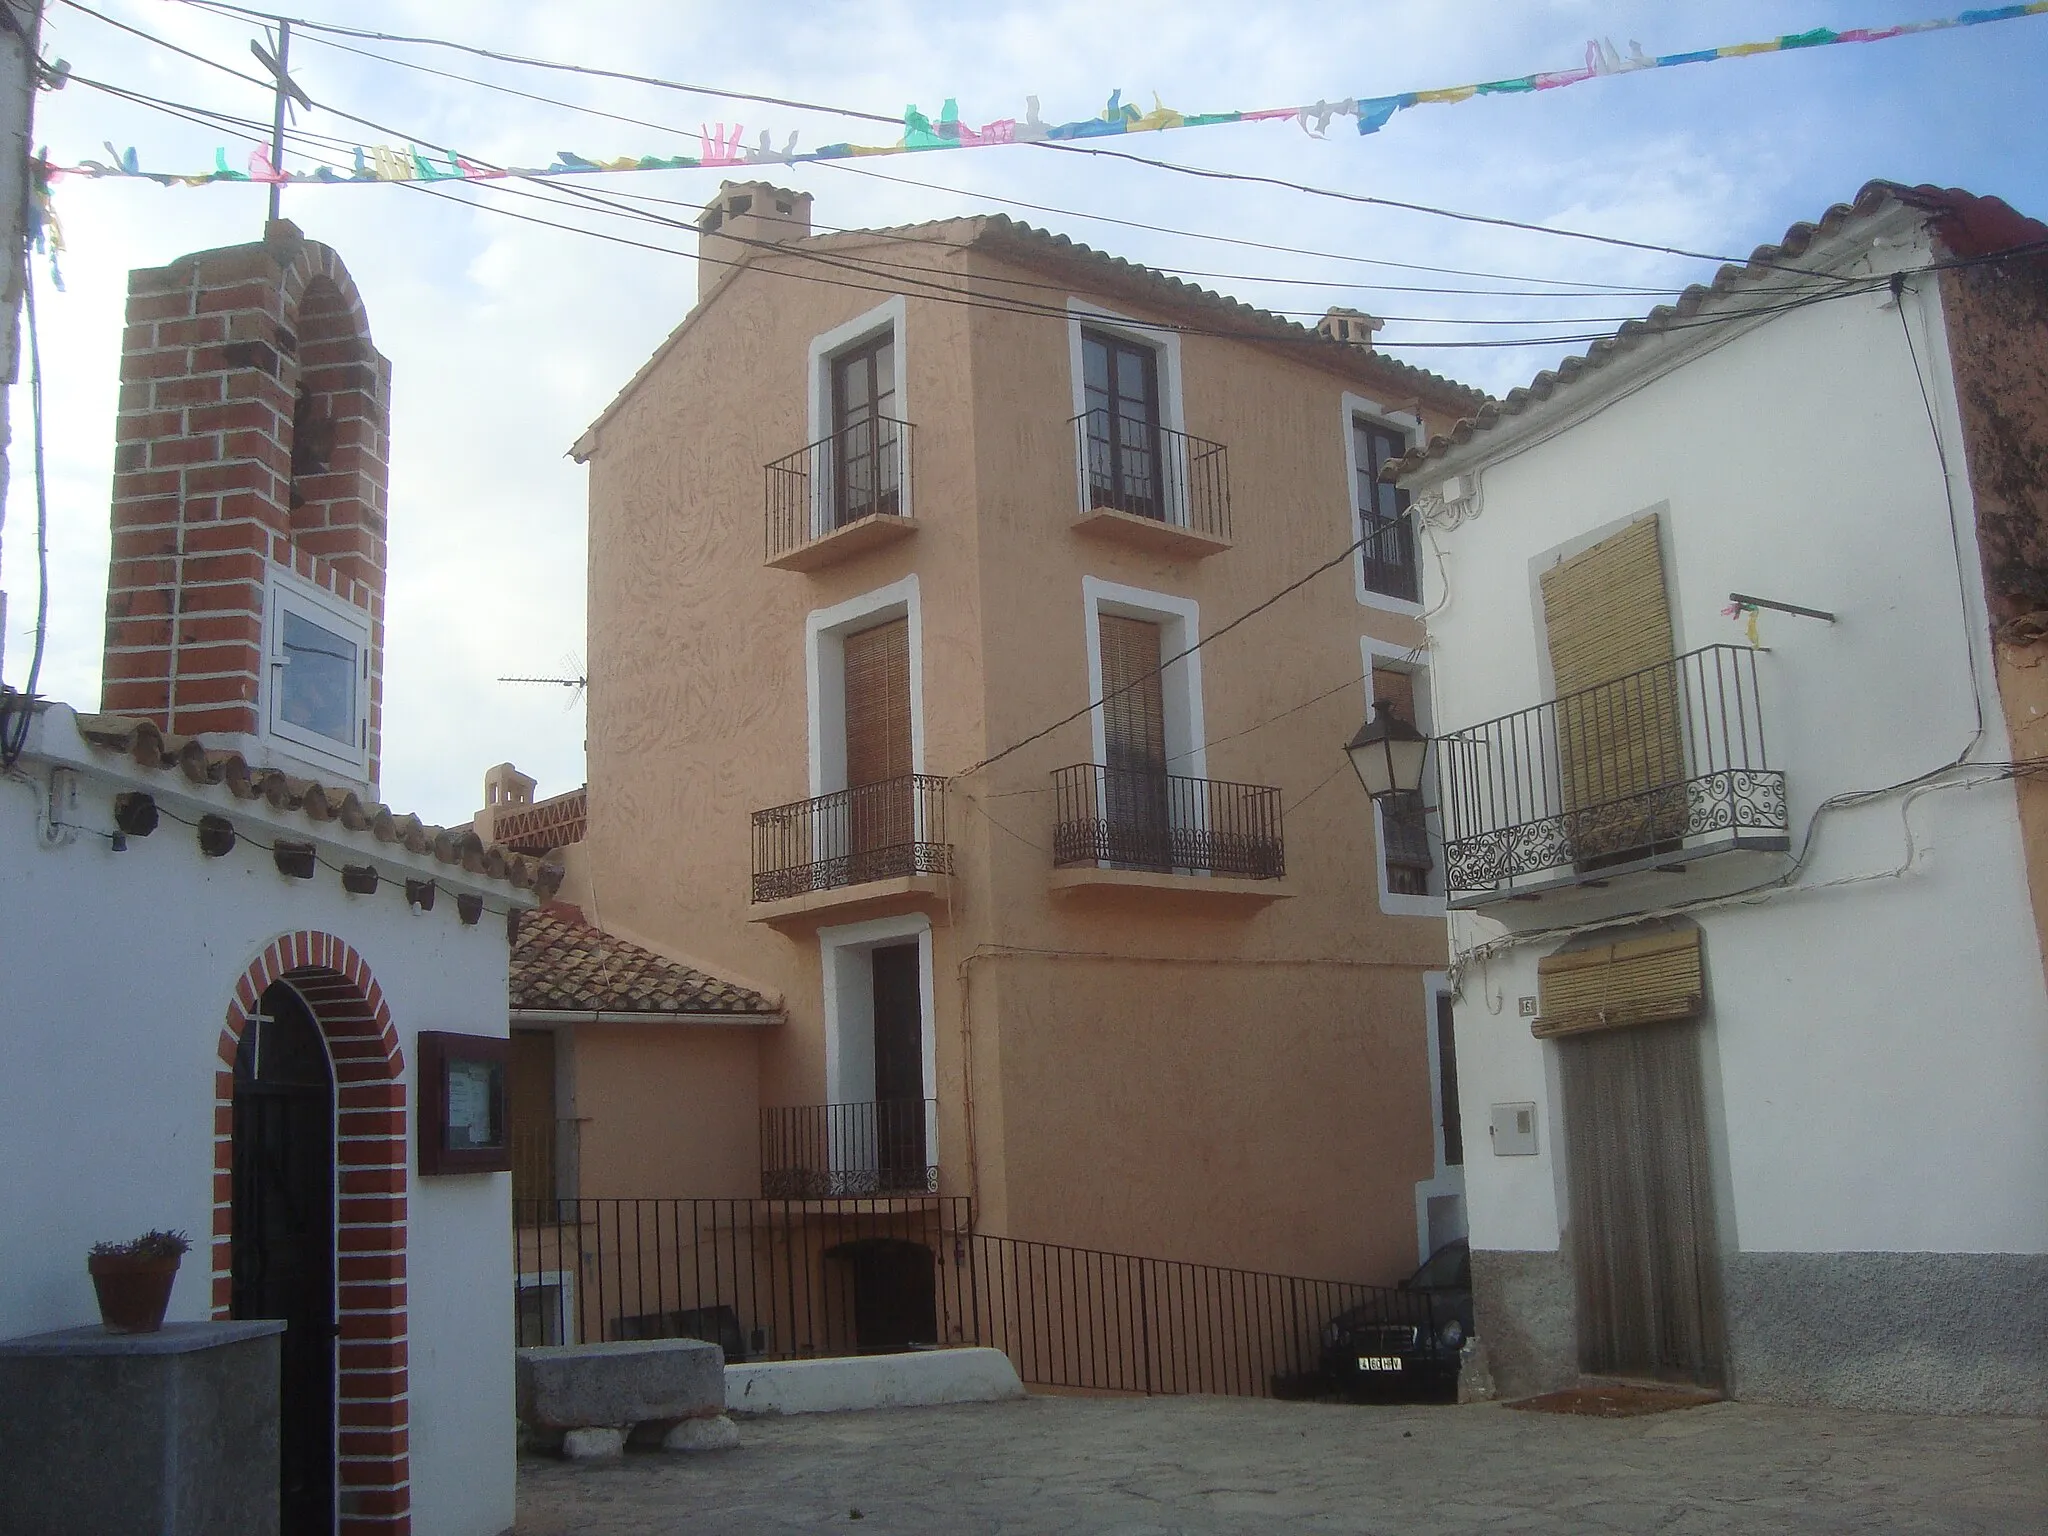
[133, 1292]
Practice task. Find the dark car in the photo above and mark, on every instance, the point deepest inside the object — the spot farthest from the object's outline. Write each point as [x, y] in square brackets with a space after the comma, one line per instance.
[1404, 1343]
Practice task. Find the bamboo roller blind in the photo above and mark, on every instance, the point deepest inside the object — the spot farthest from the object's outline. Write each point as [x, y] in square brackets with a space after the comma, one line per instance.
[1134, 704]
[1608, 617]
[1635, 981]
[878, 704]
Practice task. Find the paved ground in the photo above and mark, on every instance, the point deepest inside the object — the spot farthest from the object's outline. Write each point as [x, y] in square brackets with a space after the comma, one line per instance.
[1113, 1467]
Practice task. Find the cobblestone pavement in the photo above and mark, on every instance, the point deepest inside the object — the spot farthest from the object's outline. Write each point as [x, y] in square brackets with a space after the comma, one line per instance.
[1116, 1467]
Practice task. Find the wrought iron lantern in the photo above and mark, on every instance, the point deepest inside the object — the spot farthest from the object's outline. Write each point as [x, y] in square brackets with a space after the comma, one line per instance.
[1387, 754]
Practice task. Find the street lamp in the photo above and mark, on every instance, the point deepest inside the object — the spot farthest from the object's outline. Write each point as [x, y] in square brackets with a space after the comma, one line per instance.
[1387, 754]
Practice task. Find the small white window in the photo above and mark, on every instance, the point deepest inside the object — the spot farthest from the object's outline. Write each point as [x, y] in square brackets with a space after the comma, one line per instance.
[317, 674]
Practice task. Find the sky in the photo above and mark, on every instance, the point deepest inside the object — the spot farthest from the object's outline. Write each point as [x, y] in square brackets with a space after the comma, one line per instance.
[506, 338]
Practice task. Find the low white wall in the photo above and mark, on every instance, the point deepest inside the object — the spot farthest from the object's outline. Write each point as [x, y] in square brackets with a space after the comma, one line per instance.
[119, 970]
[921, 1380]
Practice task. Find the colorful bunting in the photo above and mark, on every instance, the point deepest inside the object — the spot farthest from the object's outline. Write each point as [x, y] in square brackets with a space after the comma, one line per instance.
[721, 147]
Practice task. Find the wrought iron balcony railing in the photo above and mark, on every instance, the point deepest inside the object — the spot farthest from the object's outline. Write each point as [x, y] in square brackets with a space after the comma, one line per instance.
[818, 1151]
[863, 470]
[876, 832]
[1650, 770]
[1387, 548]
[1146, 470]
[1136, 819]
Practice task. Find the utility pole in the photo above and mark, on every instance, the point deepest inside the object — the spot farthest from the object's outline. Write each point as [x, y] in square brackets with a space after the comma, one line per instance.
[21, 23]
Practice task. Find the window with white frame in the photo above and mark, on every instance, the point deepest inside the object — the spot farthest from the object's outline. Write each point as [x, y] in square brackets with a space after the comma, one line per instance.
[1410, 873]
[859, 427]
[1386, 531]
[1127, 415]
[317, 674]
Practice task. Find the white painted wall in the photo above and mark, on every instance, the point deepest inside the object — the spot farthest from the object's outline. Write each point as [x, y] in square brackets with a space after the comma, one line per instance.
[119, 971]
[1880, 1048]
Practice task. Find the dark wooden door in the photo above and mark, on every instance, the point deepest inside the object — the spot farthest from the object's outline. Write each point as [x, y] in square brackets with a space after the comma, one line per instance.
[1138, 825]
[881, 810]
[1121, 395]
[866, 473]
[282, 1266]
[895, 1293]
[900, 1149]
[1642, 1209]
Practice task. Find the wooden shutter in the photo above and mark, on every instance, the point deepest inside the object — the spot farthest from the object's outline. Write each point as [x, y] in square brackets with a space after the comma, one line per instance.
[1134, 704]
[1620, 748]
[1636, 981]
[878, 704]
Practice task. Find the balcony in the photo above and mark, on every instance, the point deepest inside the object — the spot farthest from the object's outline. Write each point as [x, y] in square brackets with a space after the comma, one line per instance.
[874, 842]
[841, 496]
[1151, 488]
[823, 1151]
[1117, 828]
[1650, 771]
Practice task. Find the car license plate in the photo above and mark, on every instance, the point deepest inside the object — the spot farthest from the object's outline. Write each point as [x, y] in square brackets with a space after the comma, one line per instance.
[1379, 1362]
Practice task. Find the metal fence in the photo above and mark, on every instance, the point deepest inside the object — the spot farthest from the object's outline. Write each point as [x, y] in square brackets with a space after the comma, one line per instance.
[1141, 820]
[783, 1279]
[1663, 763]
[876, 832]
[862, 470]
[885, 1147]
[1136, 466]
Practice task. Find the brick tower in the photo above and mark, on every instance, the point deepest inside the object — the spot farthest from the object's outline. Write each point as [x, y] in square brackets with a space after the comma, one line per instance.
[246, 593]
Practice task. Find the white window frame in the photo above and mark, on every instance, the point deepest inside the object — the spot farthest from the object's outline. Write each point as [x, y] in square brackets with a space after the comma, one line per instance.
[1400, 421]
[826, 348]
[282, 590]
[1444, 1181]
[1180, 685]
[1390, 657]
[1165, 346]
[825, 632]
[844, 953]
[563, 1283]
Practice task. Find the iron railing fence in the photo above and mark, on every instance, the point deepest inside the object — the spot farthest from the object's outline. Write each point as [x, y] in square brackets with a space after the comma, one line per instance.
[544, 1160]
[1387, 547]
[1137, 819]
[876, 832]
[791, 1279]
[1136, 466]
[767, 1279]
[1404, 829]
[884, 1147]
[862, 470]
[1662, 764]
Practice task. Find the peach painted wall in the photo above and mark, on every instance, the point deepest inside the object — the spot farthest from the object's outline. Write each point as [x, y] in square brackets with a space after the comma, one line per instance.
[1242, 1088]
[662, 1103]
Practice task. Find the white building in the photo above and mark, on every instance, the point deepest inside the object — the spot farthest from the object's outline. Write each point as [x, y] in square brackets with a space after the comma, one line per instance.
[135, 1092]
[1750, 984]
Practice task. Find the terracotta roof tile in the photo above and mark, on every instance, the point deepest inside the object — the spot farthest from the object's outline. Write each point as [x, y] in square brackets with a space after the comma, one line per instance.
[143, 743]
[560, 962]
[1965, 223]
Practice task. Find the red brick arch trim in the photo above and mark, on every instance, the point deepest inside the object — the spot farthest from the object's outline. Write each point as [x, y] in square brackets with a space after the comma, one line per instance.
[370, 1172]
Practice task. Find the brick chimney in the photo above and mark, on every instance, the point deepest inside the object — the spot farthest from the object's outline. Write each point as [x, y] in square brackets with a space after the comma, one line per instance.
[1353, 327]
[246, 592]
[743, 212]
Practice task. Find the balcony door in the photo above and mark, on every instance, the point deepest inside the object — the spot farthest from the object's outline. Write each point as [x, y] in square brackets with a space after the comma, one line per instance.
[866, 476]
[1121, 397]
[900, 1152]
[1620, 747]
[881, 834]
[1137, 819]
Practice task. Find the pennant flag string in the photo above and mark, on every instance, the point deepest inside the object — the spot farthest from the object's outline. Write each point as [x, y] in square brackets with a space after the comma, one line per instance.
[721, 146]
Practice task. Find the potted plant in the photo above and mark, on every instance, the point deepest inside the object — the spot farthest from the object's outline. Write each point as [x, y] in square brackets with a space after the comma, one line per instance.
[133, 1279]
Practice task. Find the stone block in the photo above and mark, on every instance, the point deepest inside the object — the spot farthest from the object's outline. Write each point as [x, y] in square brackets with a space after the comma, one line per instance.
[923, 1379]
[719, 1434]
[593, 1444]
[571, 1386]
[174, 1432]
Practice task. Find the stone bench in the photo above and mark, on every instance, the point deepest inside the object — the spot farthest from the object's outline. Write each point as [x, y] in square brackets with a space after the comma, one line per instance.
[585, 1401]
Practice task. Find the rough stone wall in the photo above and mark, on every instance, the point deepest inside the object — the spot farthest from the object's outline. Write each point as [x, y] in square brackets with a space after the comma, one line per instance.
[253, 431]
[1523, 1312]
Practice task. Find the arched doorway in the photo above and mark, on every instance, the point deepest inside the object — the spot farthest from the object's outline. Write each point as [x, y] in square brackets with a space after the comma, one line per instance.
[372, 1412]
[282, 1261]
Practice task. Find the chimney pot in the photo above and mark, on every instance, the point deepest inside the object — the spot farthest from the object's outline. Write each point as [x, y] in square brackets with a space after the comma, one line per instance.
[744, 217]
[1353, 327]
